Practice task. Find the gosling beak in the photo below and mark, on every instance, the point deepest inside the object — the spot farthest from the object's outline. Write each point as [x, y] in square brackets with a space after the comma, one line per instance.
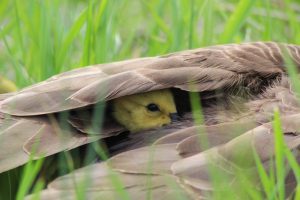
[174, 117]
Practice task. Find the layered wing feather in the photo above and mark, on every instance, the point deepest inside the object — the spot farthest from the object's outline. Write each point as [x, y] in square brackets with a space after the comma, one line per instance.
[24, 139]
[169, 173]
[225, 66]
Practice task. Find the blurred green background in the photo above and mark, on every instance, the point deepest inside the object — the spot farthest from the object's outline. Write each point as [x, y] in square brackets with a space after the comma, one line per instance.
[40, 38]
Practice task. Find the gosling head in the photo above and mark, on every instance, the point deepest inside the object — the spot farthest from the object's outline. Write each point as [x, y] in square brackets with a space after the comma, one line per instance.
[145, 110]
[6, 85]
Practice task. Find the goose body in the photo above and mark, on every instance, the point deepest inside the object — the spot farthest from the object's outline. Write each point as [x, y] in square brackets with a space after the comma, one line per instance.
[240, 86]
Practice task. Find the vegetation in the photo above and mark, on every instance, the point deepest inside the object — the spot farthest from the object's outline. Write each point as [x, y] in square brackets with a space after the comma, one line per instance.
[40, 38]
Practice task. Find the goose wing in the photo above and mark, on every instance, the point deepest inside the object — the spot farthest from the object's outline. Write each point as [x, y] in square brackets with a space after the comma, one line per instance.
[251, 66]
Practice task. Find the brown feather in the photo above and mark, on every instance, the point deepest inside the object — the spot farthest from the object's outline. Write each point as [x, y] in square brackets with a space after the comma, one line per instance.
[211, 68]
[240, 86]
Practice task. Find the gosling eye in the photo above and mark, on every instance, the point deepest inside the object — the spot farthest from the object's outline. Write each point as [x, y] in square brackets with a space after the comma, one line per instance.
[152, 107]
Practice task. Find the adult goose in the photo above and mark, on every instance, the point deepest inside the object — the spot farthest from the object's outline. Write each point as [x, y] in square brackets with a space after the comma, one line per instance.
[239, 86]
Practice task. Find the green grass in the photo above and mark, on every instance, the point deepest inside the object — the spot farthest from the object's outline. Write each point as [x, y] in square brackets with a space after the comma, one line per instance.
[40, 38]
